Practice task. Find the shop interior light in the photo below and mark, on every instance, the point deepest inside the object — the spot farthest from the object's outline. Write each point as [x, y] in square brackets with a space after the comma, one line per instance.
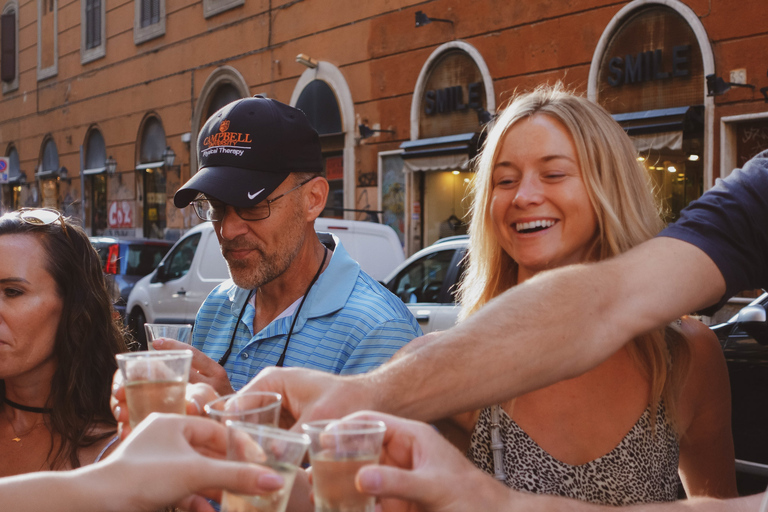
[641, 159]
[693, 158]
[466, 180]
[672, 168]
[455, 172]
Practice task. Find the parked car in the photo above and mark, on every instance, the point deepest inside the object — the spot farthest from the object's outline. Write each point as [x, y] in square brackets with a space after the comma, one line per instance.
[125, 261]
[744, 339]
[427, 281]
[175, 290]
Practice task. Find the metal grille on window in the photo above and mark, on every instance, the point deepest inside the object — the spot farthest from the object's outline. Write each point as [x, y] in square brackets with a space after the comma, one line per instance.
[93, 23]
[150, 12]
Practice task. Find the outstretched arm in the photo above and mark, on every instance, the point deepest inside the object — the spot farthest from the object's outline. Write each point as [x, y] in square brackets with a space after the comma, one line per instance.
[555, 326]
[167, 460]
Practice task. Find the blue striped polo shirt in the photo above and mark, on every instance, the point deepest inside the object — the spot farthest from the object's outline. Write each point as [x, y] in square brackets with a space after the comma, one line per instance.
[349, 324]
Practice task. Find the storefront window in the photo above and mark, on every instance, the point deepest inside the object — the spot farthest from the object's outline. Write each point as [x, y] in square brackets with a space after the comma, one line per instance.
[319, 104]
[152, 168]
[751, 139]
[49, 192]
[154, 203]
[99, 202]
[445, 209]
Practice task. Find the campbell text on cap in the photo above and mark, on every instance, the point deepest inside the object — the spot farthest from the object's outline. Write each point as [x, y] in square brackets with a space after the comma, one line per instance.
[247, 149]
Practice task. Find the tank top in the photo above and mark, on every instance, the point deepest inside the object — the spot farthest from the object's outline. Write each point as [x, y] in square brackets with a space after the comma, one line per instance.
[642, 468]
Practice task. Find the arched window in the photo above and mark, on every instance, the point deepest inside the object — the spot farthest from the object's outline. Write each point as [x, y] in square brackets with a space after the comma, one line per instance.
[48, 174]
[153, 174]
[96, 182]
[224, 95]
[318, 102]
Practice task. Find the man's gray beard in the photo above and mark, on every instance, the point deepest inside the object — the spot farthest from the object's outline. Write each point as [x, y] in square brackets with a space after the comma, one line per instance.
[249, 278]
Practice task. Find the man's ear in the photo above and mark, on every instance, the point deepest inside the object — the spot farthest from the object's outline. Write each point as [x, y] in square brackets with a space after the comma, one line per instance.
[316, 197]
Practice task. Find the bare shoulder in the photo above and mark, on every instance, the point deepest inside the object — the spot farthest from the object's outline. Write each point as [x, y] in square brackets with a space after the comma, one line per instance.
[704, 345]
[100, 449]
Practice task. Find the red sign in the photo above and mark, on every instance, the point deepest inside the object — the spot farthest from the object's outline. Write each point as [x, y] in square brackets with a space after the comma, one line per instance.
[334, 168]
[120, 214]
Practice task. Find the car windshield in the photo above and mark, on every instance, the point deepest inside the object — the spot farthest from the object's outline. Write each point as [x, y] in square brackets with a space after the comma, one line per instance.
[142, 259]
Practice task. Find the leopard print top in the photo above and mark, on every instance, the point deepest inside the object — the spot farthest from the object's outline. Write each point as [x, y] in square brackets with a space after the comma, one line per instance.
[641, 469]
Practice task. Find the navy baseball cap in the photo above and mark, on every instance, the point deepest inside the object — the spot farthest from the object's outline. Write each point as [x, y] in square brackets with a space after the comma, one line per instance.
[247, 149]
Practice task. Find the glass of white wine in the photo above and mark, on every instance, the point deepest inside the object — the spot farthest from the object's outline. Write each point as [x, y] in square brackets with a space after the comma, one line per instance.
[155, 382]
[339, 449]
[278, 449]
[257, 407]
[179, 332]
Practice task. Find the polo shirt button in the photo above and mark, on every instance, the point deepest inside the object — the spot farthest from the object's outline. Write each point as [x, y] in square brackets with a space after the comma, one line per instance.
[244, 355]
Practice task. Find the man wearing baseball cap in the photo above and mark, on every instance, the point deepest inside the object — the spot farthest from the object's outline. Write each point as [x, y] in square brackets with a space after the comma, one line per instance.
[291, 299]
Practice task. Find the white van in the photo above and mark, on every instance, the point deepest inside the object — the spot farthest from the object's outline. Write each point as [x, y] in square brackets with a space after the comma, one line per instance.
[174, 291]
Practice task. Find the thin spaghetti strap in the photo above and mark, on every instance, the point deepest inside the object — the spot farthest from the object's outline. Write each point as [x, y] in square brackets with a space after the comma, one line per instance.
[104, 450]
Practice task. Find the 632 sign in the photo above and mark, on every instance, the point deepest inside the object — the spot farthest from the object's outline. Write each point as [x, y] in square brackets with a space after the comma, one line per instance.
[120, 214]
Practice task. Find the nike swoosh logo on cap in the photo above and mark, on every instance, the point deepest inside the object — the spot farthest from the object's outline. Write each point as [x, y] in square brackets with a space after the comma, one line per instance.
[253, 196]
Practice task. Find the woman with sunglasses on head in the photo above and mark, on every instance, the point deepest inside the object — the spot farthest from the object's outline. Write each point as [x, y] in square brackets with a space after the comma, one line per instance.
[558, 183]
[58, 340]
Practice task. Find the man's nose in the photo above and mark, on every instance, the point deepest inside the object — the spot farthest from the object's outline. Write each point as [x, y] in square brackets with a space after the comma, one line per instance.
[231, 224]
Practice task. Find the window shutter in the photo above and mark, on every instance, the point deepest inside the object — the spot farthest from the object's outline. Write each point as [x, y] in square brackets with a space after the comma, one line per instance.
[8, 47]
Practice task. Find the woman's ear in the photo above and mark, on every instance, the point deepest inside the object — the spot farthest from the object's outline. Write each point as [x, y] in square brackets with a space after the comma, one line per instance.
[316, 197]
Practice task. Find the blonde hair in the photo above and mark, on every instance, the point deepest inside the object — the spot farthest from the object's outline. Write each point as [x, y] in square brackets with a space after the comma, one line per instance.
[620, 192]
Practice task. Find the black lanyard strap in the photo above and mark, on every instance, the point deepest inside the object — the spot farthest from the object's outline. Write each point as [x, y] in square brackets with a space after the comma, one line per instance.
[280, 361]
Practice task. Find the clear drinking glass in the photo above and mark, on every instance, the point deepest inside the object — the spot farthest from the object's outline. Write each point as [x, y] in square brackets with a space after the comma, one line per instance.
[339, 449]
[257, 407]
[155, 382]
[280, 450]
[180, 332]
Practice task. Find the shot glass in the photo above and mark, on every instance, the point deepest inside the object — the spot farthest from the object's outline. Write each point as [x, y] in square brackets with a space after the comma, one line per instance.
[278, 449]
[257, 408]
[338, 450]
[155, 382]
[180, 332]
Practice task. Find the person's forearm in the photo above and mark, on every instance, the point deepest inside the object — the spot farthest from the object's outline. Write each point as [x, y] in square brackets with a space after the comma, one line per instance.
[80, 490]
[553, 327]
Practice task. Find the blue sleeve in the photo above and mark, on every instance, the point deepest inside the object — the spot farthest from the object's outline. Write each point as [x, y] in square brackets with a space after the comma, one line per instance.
[730, 224]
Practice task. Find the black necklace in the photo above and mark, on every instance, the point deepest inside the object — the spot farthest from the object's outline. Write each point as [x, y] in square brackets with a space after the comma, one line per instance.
[38, 410]
[280, 361]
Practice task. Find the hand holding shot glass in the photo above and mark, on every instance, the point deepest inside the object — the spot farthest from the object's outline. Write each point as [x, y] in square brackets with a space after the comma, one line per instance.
[155, 382]
[179, 332]
[280, 450]
[339, 449]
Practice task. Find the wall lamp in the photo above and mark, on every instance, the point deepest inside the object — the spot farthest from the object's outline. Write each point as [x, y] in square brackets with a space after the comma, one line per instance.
[717, 86]
[169, 156]
[366, 132]
[111, 165]
[422, 19]
[305, 59]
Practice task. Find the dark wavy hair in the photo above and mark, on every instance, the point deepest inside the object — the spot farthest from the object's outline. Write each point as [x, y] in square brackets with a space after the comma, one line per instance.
[87, 339]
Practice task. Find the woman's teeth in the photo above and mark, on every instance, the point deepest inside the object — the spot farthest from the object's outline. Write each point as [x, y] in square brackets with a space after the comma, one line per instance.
[535, 225]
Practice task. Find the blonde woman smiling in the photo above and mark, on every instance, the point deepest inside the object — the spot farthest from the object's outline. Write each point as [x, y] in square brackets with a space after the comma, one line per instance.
[558, 183]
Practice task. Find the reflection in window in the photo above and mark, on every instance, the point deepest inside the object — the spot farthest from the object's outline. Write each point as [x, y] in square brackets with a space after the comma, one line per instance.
[180, 261]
